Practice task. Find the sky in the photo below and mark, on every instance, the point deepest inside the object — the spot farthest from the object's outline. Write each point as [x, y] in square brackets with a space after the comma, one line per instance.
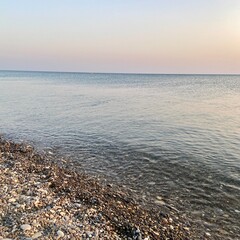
[131, 36]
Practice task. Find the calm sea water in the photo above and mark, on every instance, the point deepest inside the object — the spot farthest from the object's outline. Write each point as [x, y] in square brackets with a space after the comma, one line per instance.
[174, 136]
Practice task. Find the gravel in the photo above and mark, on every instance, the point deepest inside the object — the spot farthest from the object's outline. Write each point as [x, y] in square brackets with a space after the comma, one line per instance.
[40, 199]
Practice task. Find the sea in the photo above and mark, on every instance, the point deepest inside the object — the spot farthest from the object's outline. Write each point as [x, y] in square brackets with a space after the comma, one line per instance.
[169, 137]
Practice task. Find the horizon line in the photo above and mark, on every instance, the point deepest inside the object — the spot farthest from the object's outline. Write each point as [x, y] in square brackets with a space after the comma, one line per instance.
[133, 73]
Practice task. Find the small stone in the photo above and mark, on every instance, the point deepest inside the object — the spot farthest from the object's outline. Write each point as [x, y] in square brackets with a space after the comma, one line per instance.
[96, 233]
[62, 213]
[60, 234]
[34, 223]
[186, 228]
[137, 235]
[138, 231]
[89, 234]
[160, 202]
[164, 221]
[222, 232]
[77, 205]
[208, 234]
[26, 227]
[14, 229]
[37, 235]
[11, 200]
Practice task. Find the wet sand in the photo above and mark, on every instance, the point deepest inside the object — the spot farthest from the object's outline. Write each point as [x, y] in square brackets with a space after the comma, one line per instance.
[40, 199]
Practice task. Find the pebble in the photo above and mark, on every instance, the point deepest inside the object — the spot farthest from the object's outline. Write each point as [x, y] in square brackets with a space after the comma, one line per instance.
[208, 234]
[77, 205]
[11, 200]
[160, 202]
[34, 223]
[222, 232]
[37, 235]
[137, 234]
[89, 234]
[26, 227]
[164, 221]
[96, 233]
[60, 234]
[62, 214]
[58, 207]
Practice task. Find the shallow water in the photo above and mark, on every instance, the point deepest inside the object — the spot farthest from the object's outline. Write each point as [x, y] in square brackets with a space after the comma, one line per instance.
[174, 136]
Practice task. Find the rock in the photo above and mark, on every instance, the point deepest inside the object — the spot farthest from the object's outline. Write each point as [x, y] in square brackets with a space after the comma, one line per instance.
[34, 223]
[77, 205]
[222, 232]
[67, 175]
[160, 202]
[37, 235]
[37, 212]
[208, 234]
[96, 233]
[164, 221]
[137, 235]
[26, 227]
[62, 214]
[14, 228]
[60, 234]
[159, 198]
[11, 200]
[89, 234]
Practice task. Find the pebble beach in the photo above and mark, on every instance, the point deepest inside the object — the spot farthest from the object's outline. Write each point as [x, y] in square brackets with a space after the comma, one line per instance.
[40, 199]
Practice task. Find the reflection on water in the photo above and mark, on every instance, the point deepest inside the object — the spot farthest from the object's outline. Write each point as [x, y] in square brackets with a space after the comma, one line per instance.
[175, 136]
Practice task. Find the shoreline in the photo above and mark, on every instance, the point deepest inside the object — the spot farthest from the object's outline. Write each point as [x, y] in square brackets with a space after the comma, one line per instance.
[44, 200]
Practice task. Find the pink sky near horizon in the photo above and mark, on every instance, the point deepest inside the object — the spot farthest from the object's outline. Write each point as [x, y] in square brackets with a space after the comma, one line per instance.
[151, 37]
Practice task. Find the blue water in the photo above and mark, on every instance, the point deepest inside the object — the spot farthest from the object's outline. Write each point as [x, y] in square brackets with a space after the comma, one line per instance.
[174, 136]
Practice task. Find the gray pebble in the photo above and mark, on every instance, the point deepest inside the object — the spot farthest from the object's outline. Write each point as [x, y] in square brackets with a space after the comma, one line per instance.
[26, 227]
[37, 235]
[60, 234]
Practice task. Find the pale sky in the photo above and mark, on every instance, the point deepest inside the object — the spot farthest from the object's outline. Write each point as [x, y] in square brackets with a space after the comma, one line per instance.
[140, 36]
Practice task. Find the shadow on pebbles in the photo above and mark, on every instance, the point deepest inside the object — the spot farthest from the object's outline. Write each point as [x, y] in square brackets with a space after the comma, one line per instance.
[40, 199]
